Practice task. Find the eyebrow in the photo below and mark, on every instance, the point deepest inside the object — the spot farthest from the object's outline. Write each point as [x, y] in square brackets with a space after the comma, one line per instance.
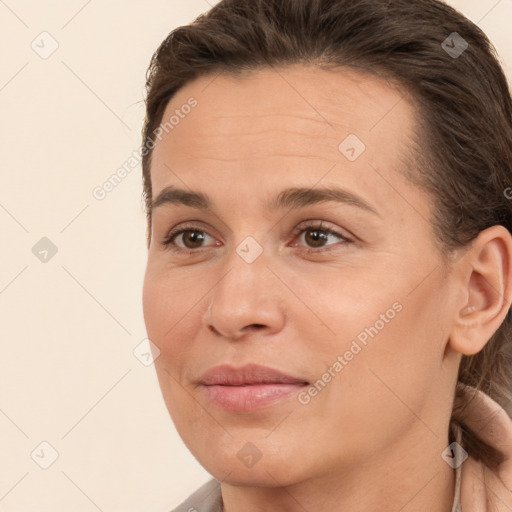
[292, 198]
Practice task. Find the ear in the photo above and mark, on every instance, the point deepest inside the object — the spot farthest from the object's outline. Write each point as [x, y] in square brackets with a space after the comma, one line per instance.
[486, 281]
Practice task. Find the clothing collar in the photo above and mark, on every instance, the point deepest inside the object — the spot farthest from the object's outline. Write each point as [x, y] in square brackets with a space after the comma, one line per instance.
[477, 487]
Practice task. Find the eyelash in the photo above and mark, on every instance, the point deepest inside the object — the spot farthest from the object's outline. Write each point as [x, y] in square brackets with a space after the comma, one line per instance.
[168, 241]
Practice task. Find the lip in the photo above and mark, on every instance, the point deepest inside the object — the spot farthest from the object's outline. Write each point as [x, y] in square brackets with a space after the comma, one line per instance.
[250, 387]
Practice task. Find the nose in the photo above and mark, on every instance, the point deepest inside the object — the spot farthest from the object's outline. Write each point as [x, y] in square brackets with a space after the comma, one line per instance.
[247, 299]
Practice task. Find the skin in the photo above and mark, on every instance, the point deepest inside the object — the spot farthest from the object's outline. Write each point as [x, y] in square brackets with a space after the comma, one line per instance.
[372, 438]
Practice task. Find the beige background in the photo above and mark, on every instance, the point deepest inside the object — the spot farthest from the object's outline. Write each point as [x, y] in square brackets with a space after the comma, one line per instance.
[69, 325]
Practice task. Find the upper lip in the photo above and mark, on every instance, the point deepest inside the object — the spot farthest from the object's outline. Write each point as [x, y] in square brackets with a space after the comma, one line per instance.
[249, 374]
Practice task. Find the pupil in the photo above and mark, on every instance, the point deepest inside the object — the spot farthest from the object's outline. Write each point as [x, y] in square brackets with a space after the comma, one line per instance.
[194, 236]
[317, 236]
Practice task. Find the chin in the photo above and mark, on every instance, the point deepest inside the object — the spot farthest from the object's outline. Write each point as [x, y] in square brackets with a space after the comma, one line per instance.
[258, 464]
[261, 475]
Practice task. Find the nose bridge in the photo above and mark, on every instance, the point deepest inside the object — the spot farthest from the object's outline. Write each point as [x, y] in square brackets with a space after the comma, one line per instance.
[243, 296]
[246, 271]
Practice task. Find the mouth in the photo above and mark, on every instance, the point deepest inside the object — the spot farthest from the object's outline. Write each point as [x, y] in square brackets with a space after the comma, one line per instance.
[249, 387]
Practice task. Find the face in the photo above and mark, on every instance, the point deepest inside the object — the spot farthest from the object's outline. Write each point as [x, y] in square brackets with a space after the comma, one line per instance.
[343, 295]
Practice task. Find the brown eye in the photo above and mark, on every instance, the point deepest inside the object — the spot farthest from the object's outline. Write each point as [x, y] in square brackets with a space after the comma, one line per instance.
[315, 237]
[192, 239]
[185, 239]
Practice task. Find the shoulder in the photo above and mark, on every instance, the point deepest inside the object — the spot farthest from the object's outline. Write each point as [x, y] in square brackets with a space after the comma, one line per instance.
[207, 498]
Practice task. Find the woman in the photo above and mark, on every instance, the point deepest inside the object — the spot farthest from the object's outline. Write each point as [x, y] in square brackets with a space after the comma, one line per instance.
[328, 275]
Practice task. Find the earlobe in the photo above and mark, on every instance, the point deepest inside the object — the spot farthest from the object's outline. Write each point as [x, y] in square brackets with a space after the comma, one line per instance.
[485, 275]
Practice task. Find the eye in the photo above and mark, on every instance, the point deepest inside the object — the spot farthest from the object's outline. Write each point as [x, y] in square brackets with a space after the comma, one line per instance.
[315, 235]
[191, 238]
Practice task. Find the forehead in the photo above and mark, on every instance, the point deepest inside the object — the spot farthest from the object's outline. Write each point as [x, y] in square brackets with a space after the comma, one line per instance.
[287, 123]
[333, 98]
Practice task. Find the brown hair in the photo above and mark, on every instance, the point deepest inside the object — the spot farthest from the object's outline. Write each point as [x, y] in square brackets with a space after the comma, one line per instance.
[462, 151]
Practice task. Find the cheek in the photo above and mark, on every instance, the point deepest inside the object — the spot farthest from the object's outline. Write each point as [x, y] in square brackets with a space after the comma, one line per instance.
[385, 383]
[161, 320]
[162, 313]
[391, 350]
[352, 310]
[172, 314]
[166, 300]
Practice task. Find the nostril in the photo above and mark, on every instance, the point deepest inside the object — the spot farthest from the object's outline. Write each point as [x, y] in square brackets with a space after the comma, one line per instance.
[212, 328]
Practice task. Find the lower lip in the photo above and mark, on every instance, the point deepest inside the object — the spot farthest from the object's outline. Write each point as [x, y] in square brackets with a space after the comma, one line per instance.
[250, 397]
